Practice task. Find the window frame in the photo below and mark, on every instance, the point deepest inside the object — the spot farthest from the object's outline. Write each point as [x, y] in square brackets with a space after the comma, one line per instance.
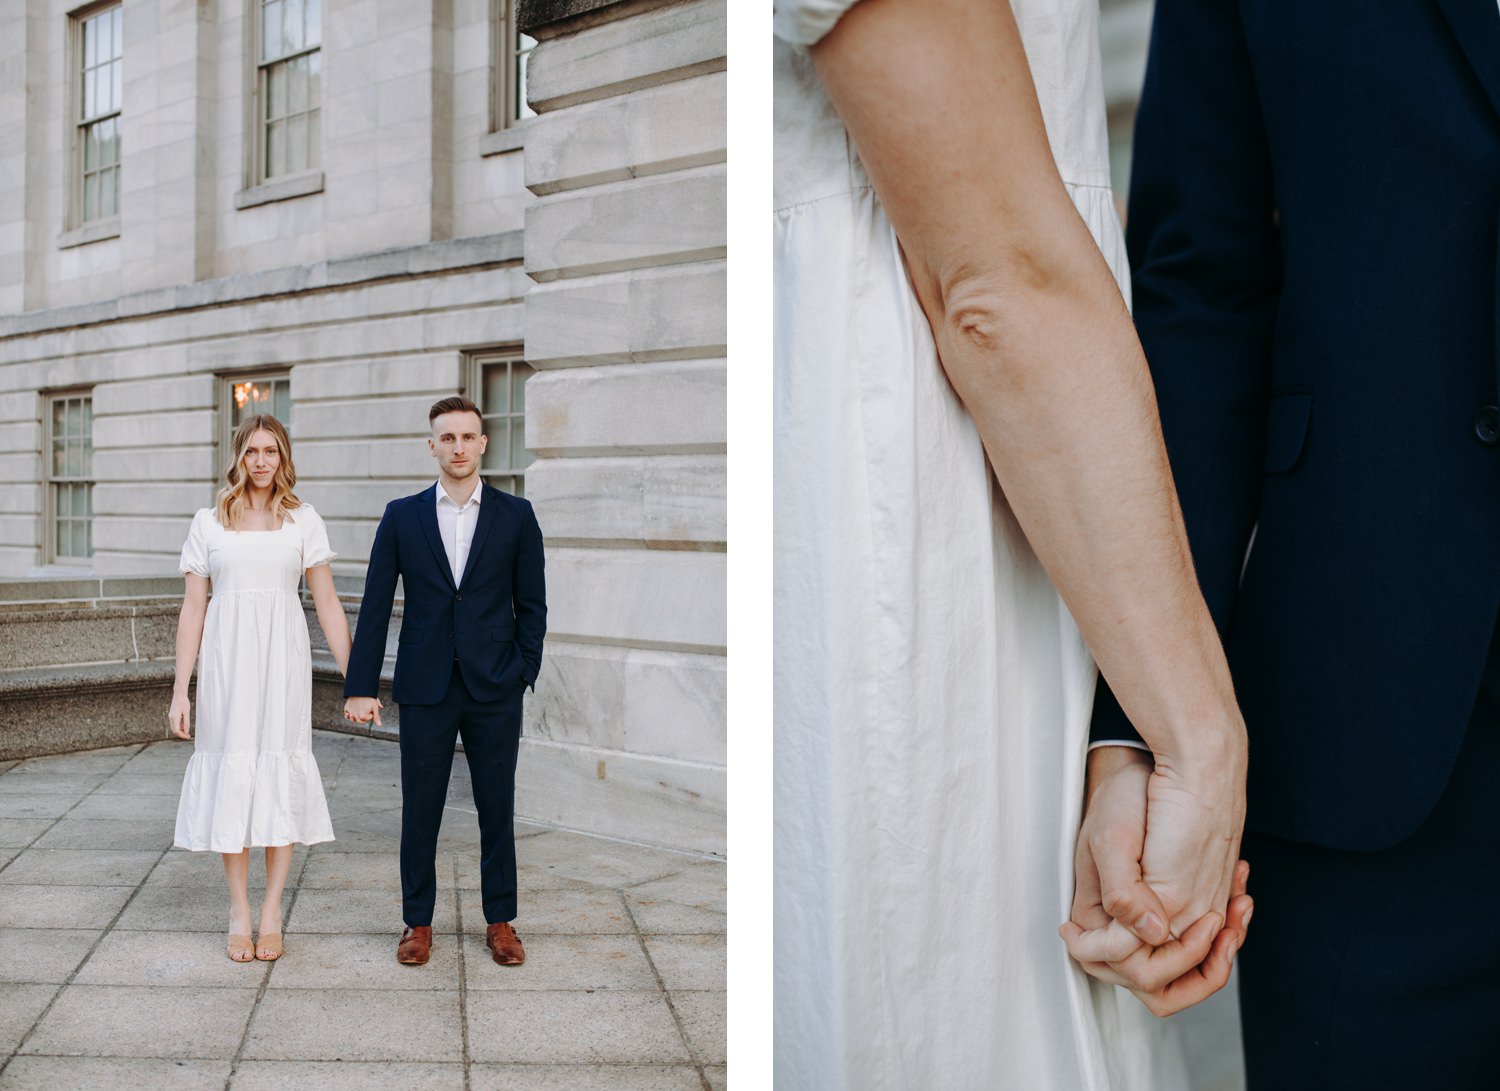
[227, 382]
[50, 513]
[475, 363]
[506, 67]
[74, 223]
[289, 183]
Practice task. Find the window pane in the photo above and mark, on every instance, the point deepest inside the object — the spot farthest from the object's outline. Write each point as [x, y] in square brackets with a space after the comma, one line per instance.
[314, 138]
[73, 463]
[75, 417]
[111, 143]
[518, 375]
[90, 42]
[118, 37]
[276, 149]
[520, 458]
[276, 101]
[291, 25]
[88, 417]
[494, 454]
[91, 197]
[109, 192]
[281, 402]
[314, 80]
[91, 147]
[296, 144]
[90, 85]
[117, 88]
[270, 26]
[296, 74]
[77, 502]
[64, 538]
[496, 389]
[314, 24]
[59, 417]
[88, 536]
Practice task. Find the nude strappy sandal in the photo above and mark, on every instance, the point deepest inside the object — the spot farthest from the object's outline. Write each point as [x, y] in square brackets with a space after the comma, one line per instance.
[269, 941]
[240, 944]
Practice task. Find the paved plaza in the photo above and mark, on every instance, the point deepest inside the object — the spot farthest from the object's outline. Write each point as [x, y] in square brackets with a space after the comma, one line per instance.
[113, 972]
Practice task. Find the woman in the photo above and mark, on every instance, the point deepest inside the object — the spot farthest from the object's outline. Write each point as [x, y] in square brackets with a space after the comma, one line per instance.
[252, 780]
[972, 496]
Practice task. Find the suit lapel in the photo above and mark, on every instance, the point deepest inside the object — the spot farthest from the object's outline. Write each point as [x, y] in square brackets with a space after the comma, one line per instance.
[1476, 25]
[427, 516]
[489, 508]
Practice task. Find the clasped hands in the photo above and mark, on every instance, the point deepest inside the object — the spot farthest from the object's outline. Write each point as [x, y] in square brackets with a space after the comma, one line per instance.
[1159, 905]
[361, 710]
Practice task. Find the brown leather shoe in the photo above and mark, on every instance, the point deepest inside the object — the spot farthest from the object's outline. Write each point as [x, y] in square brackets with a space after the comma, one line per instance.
[415, 946]
[505, 946]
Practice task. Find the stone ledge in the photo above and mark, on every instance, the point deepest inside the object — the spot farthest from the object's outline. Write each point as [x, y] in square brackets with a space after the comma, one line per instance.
[510, 139]
[97, 231]
[447, 256]
[281, 189]
[56, 710]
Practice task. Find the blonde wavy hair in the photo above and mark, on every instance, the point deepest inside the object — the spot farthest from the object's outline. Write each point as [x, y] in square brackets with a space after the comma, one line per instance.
[231, 502]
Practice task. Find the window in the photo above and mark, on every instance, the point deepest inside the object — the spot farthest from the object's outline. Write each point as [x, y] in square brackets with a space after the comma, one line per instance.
[70, 485]
[288, 87]
[246, 395]
[512, 50]
[99, 46]
[500, 383]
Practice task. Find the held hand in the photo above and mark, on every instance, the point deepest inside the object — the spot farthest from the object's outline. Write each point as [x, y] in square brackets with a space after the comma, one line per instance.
[1182, 972]
[179, 716]
[1195, 815]
[362, 710]
[1110, 889]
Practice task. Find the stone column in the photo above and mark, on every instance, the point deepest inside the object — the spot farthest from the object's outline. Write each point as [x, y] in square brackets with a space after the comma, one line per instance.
[626, 326]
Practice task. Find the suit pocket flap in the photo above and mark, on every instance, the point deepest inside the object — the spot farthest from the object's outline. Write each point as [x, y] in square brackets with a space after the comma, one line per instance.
[1286, 431]
[506, 631]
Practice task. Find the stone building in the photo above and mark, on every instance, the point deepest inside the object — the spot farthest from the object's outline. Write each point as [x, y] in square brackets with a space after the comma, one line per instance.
[339, 211]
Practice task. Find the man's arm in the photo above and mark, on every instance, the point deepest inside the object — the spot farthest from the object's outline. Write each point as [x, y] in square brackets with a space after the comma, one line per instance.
[363, 678]
[529, 596]
[1205, 249]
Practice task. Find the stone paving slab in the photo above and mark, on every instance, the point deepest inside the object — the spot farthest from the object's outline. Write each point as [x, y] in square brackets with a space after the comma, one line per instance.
[578, 1077]
[113, 972]
[44, 955]
[112, 1074]
[143, 1021]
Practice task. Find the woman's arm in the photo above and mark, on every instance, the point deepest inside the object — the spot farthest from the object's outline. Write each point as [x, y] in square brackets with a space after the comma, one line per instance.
[331, 616]
[189, 640]
[1034, 335]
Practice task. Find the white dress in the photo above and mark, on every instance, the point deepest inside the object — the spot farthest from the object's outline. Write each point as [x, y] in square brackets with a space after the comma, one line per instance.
[932, 693]
[252, 779]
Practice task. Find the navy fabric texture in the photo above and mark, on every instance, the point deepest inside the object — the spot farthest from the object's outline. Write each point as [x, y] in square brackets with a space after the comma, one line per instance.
[1314, 215]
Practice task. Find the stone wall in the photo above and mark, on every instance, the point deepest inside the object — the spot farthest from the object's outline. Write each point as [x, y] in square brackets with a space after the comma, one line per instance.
[627, 414]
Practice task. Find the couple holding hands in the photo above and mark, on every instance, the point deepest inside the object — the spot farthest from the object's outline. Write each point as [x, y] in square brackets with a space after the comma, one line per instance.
[1267, 508]
[470, 561]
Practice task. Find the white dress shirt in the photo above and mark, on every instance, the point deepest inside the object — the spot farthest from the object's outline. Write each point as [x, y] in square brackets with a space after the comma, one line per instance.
[456, 524]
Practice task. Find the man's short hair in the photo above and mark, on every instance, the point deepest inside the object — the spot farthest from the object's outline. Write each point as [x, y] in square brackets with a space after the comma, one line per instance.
[455, 404]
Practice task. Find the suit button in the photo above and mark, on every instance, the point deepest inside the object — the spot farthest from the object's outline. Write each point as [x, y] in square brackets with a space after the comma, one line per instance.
[1487, 425]
[458, 598]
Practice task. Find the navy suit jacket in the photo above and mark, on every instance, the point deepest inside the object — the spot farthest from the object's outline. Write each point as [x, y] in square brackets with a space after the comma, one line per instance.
[494, 619]
[1314, 218]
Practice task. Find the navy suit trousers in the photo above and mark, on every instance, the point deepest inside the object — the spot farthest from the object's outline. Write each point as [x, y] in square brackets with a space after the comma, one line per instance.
[491, 732]
[1377, 970]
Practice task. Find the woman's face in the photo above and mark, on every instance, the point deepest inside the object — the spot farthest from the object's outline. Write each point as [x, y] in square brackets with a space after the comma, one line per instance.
[262, 458]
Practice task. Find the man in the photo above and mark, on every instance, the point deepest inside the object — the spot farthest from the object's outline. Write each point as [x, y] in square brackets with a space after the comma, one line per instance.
[1313, 229]
[470, 562]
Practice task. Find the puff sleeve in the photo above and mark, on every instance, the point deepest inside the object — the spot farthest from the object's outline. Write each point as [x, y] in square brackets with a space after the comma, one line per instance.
[315, 548]
[804, 22]
[195, 550]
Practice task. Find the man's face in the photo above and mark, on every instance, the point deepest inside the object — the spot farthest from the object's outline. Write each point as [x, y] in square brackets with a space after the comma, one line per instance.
[262, 457]
[457, 443]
